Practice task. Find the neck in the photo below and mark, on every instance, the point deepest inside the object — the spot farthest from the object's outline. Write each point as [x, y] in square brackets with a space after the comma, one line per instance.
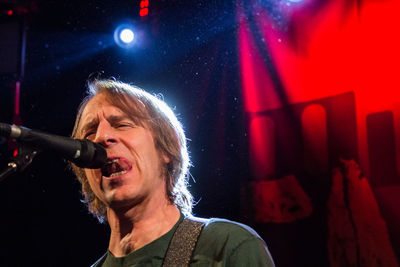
[136, 227]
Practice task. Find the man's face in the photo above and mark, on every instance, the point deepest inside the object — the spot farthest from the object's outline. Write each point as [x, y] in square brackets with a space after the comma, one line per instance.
[133, 173]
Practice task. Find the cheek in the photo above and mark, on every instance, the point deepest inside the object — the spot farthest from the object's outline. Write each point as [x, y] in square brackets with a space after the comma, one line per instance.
[93, 179]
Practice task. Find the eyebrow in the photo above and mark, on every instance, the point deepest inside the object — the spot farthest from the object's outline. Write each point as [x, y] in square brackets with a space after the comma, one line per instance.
[90, 125]
[93, 123]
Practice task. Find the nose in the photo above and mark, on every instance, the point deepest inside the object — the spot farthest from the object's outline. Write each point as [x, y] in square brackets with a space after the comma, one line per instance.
[105, 135]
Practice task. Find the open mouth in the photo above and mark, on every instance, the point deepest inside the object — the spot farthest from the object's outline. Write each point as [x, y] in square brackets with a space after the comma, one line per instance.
[115, 167]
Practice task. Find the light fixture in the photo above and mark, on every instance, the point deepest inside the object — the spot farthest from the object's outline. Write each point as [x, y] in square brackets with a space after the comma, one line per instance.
[124, 36]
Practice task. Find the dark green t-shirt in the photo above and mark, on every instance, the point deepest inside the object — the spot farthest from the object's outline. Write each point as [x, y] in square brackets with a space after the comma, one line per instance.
[221, 243]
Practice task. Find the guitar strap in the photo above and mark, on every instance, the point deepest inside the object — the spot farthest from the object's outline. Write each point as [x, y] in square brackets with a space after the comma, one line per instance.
[183, 242]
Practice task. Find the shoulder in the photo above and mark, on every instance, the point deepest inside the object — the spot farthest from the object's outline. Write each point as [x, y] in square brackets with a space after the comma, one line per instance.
[232, 242]
[222, 228]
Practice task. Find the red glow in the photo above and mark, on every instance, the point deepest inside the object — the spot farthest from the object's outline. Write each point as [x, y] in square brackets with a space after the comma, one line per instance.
[315, 138]
[281, 200]
[144, 3]
[262, 147]
[336, 50]
[144, 12]
[15, 152]
[358, 222]
[258, 91]
[10, 12]
[329, 82]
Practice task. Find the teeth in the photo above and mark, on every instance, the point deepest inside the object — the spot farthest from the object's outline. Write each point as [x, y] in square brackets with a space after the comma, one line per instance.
[112, 161]
[118, 173]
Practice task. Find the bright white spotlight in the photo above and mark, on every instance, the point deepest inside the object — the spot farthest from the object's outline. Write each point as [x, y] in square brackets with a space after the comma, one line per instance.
[127, 35]
[124, 36]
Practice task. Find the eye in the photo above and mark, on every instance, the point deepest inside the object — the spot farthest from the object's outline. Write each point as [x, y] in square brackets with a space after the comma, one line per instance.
[88, 134]
[123, 125]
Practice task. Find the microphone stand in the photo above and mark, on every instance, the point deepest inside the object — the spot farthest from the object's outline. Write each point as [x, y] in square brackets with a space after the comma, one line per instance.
[19, 162]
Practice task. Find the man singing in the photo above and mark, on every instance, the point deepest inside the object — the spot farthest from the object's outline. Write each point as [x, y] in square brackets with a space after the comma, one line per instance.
[142, 190]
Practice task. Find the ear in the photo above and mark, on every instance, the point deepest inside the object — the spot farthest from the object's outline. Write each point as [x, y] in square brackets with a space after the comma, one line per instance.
[165, 158]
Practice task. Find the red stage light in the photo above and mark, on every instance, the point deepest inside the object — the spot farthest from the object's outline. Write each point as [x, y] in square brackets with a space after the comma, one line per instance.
[10, 12]
[144, 12]
[144, 8]
[144, 3]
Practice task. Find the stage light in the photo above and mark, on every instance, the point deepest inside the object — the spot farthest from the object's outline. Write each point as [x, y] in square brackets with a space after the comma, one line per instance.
[124, 36]
[144, 8]
[295, 1]
[127, 35]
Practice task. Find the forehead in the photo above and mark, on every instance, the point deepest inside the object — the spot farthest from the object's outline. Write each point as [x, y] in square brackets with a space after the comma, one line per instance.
[99, 104]
[111, 107]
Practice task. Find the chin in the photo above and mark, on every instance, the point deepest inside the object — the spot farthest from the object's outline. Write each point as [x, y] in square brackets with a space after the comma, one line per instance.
[121, 199]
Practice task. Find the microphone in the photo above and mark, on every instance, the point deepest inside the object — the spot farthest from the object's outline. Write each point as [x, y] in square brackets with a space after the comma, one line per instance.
[83, 153]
